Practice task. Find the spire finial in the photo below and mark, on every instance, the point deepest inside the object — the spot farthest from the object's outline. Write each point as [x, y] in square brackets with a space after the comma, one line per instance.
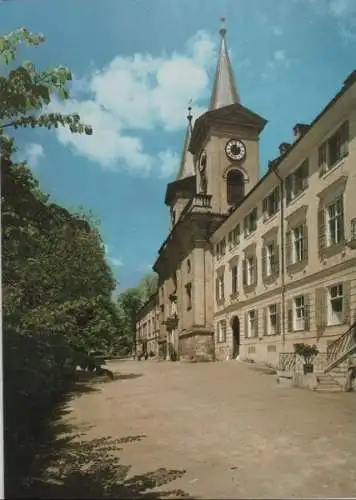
[222, 30]
[190, 111]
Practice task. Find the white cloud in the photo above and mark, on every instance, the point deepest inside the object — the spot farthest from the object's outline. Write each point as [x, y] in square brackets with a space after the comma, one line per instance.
[115, 261]
[33, 153]
[135, 94]
[279, 59]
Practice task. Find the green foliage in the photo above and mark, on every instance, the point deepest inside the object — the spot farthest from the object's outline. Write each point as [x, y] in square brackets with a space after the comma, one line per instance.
[308, 352]
[26, 92]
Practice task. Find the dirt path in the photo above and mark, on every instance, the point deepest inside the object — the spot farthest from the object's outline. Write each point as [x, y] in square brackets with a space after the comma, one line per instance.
[224, 429]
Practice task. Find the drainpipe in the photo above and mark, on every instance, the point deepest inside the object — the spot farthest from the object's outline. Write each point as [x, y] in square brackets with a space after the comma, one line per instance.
[281, 184]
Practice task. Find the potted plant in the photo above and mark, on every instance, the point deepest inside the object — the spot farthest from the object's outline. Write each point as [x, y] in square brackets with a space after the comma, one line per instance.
[308, 353]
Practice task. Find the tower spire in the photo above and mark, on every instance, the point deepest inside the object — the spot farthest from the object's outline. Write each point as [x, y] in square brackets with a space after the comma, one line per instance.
[186, 168]
[224, 89]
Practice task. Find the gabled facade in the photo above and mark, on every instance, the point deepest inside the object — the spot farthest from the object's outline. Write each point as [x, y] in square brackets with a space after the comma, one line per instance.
[254, 265]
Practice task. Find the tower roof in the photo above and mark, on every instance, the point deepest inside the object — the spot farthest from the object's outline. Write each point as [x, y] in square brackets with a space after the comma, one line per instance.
[224, 89]
[186, 168]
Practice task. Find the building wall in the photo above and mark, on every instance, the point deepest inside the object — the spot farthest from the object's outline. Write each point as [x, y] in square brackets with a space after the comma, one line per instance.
[147, 326]
[312, 277]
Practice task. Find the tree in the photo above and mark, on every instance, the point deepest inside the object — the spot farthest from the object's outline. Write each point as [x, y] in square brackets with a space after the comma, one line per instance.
[148, 286]
[26, 92]
[130, 301]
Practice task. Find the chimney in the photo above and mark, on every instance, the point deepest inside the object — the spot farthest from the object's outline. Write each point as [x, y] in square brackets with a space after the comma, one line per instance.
[299, 130]
[283, 148]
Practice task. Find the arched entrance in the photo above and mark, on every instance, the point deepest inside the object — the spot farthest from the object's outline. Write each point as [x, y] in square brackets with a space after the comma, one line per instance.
[235, 326]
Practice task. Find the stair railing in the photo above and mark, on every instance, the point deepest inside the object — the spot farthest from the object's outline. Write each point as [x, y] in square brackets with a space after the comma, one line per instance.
[341, 348]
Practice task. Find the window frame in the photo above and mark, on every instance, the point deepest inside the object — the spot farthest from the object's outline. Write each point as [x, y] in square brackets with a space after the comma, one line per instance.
[302, 308]
[339, 296]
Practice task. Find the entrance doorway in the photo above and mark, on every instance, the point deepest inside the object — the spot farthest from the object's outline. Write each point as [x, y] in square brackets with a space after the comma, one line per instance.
[235, 326]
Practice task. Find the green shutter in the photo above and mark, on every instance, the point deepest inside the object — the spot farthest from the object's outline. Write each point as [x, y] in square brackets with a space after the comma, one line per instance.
[244, 272]
[344, 139]
[263, 258]
[288, 186]
[342, 219]
[278, 321]
[306, 313]
[321, 229]
[305, 170]
[322, 159]
[346, 304]
[320, 310]
[305, 243]
[245, 326]
[255, 270]
[276, 260]
[290, 314]
[289, 247]
[264, 321]
[265, 208]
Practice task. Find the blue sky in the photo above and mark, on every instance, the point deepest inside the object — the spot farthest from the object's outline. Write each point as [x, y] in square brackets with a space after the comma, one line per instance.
[136, 65]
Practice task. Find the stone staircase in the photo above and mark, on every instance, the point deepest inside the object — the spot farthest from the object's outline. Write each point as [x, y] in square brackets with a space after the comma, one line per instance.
[327, 383]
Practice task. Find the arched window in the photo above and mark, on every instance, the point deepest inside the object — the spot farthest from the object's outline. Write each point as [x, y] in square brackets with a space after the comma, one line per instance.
[235, 185]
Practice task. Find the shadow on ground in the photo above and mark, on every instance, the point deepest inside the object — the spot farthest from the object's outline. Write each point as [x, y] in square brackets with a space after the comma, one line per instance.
[67, 465]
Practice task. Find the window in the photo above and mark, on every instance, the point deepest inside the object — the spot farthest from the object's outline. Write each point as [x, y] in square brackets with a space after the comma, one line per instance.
[234, 237]
[298, 248]
[272, 319]
[250, 222]
[297, 244]
[336, 305]
[298, 313]
[235, 186]
[271, 259]
[334, 149]
[251, 323]
[270, 205]
[220, 248]
[250, 270]
[234, 279]
[220, 292]
[189, 266]
[297, 182]
[335, 222]
[188, 290]
[353, 230]
[221, 327]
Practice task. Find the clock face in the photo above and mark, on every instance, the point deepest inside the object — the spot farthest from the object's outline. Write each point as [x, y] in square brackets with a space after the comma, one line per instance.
[235, 150]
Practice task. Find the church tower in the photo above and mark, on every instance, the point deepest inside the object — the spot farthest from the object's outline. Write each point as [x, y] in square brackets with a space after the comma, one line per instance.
[180, 191]
[225, 140]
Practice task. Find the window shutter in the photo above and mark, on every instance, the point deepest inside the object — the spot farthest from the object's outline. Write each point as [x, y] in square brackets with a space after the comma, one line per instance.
[288, 185]
[305, 170]
[264, 321]
[276, 260]
[290, 314]
[217, 289]
[246, 226]
[278, 321]
[255, 270]
[321, 229]
[346, 302]
[289, 247]
[265, 208]
[305, 242]
[278, 197]
[222, 288]
[238, 233]
[322, 159]
[229, 239]
[306, 313]
[342, 219]
[344, 139]
[244, 272]
[256, 322]
[245, 326]
[263, 258]
[320, 310]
